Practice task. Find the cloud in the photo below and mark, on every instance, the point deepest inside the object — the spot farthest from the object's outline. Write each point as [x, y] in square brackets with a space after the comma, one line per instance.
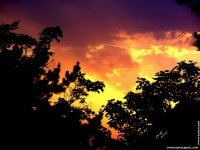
[106, 57]
[94, 21]
[139, 45]
[131, 55]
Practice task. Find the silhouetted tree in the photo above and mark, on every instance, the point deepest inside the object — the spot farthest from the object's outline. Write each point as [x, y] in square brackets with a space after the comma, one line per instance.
[28, 117]
[139, 117]
[146, 116]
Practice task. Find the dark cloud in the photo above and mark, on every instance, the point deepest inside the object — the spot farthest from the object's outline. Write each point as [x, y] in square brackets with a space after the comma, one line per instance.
[87, 22]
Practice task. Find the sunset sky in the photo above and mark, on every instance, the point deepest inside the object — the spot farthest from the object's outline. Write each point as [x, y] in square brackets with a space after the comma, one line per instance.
[115, 40]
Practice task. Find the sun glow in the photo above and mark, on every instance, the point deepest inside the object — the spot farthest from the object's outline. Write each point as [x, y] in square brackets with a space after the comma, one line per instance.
[96, 100]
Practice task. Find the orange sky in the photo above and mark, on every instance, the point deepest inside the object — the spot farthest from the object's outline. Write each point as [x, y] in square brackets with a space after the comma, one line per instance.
[120, 62]
[145, 55]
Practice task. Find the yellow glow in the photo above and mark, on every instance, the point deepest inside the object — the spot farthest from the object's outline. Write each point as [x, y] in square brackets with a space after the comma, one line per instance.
[157, 49]
[183, 53]
[173, 104]
[115, 72]
[147, 53]
[150, 53]
[96, 100]
[146, 76]
[99, 47]
[95, 48]
[137, 55]
[88, 56]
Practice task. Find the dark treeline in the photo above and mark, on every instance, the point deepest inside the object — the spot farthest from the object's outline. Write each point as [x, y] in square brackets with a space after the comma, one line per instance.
[145, 119]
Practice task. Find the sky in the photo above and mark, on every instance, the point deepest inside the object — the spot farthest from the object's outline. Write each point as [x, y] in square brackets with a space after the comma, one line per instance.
[115, 41]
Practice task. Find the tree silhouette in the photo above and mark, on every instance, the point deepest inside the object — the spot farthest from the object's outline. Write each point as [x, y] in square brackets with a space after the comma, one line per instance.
[146, 119]
[28, 117]
[147, 112]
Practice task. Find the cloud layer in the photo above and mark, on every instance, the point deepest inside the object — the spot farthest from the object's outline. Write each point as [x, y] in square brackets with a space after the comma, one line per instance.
[92, 21]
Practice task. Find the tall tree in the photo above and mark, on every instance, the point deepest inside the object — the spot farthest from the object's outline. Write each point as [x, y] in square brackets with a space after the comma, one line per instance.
[27, 86]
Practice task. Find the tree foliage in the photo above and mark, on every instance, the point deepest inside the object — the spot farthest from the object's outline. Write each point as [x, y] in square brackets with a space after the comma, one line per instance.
[27, 86]
[148, 111]
[145, 108]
